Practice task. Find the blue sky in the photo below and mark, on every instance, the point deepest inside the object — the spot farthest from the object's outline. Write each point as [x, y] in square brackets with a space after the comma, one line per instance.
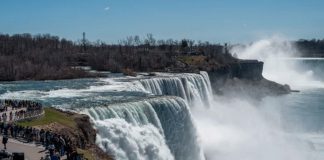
[208, 20]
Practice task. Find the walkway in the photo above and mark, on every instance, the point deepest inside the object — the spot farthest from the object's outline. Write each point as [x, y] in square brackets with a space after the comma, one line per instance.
[31, 151]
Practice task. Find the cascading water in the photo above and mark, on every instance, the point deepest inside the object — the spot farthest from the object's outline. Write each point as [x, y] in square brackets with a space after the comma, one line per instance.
[194, 88]
[162, 128]
[148, 121]
[126, 141]
[159, 126]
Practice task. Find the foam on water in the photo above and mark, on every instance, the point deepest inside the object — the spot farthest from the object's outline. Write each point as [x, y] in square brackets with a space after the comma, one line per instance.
[25, 95]
[194, 88]
[109, 86]
[131, 142]
[169, 115]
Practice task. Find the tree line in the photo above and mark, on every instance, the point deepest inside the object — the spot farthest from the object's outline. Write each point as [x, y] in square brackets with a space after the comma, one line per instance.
[43, 56]
[311, 48]
[24, 57]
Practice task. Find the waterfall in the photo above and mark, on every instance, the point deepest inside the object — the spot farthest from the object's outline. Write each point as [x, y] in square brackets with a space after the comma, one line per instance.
[125, 141]
[159, 128]
[148, 129]
[207, 81]
[194, 88]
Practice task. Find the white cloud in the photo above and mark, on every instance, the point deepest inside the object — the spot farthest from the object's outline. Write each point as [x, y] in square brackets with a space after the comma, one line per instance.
[107, 8]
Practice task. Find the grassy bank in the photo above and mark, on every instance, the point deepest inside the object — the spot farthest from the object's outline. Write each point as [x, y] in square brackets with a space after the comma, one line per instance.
[51, 116]
[61, 118]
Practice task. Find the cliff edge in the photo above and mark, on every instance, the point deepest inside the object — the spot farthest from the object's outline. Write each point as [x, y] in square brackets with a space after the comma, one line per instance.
[244, 77]
[76, 126]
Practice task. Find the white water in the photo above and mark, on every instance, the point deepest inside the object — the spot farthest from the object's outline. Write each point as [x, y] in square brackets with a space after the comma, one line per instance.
[231, 128]
[191, 87]
[163, 128]
[237, 129]
[275, 52]
[131, 142]
[167, 117]
[159, 126]
[109, 86]
[167, 128]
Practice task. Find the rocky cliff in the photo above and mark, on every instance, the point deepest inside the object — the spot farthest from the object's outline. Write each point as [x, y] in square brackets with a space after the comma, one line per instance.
[77, 127]
[244, 76]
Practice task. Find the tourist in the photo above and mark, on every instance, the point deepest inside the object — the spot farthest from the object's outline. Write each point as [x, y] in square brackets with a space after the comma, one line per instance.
[5, 141]
[13, 110]
[56, 156]
[42, 136]
[47, 157]
[62, 145]
[51, 149]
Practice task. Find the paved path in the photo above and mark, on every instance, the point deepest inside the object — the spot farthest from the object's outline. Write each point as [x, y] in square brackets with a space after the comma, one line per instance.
[32, 151]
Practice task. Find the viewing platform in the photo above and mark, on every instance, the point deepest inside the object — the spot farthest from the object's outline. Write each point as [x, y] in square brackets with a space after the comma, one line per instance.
[15, 110]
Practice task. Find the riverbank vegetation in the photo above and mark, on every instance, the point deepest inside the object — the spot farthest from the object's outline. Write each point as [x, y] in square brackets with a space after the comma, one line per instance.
[51, 116]
[44, 57]
[311, 48]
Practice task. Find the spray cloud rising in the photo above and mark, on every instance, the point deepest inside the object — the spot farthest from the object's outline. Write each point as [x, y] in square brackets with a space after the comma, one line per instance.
[280, 63]
[236, 128]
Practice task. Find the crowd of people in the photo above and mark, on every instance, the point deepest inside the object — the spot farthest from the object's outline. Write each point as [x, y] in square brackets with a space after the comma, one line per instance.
[57, 145]
[14, 110]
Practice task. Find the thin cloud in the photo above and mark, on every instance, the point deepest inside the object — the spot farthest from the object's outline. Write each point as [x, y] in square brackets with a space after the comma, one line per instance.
[107, 8]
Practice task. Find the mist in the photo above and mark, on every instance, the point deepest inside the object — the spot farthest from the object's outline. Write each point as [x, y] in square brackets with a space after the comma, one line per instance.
[280, 62]
[235, 128]
[240, 128]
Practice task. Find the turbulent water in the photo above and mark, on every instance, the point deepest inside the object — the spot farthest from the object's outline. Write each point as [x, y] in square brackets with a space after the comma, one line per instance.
[169, 115]
[176, 116]
[134, 117]
[191, 87]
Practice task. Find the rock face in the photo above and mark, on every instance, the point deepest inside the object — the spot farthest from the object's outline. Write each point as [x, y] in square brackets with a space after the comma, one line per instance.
[245, 76]
[88, 133]
[85, 127]
[252, 88]
[83, 132]
[243, 69]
